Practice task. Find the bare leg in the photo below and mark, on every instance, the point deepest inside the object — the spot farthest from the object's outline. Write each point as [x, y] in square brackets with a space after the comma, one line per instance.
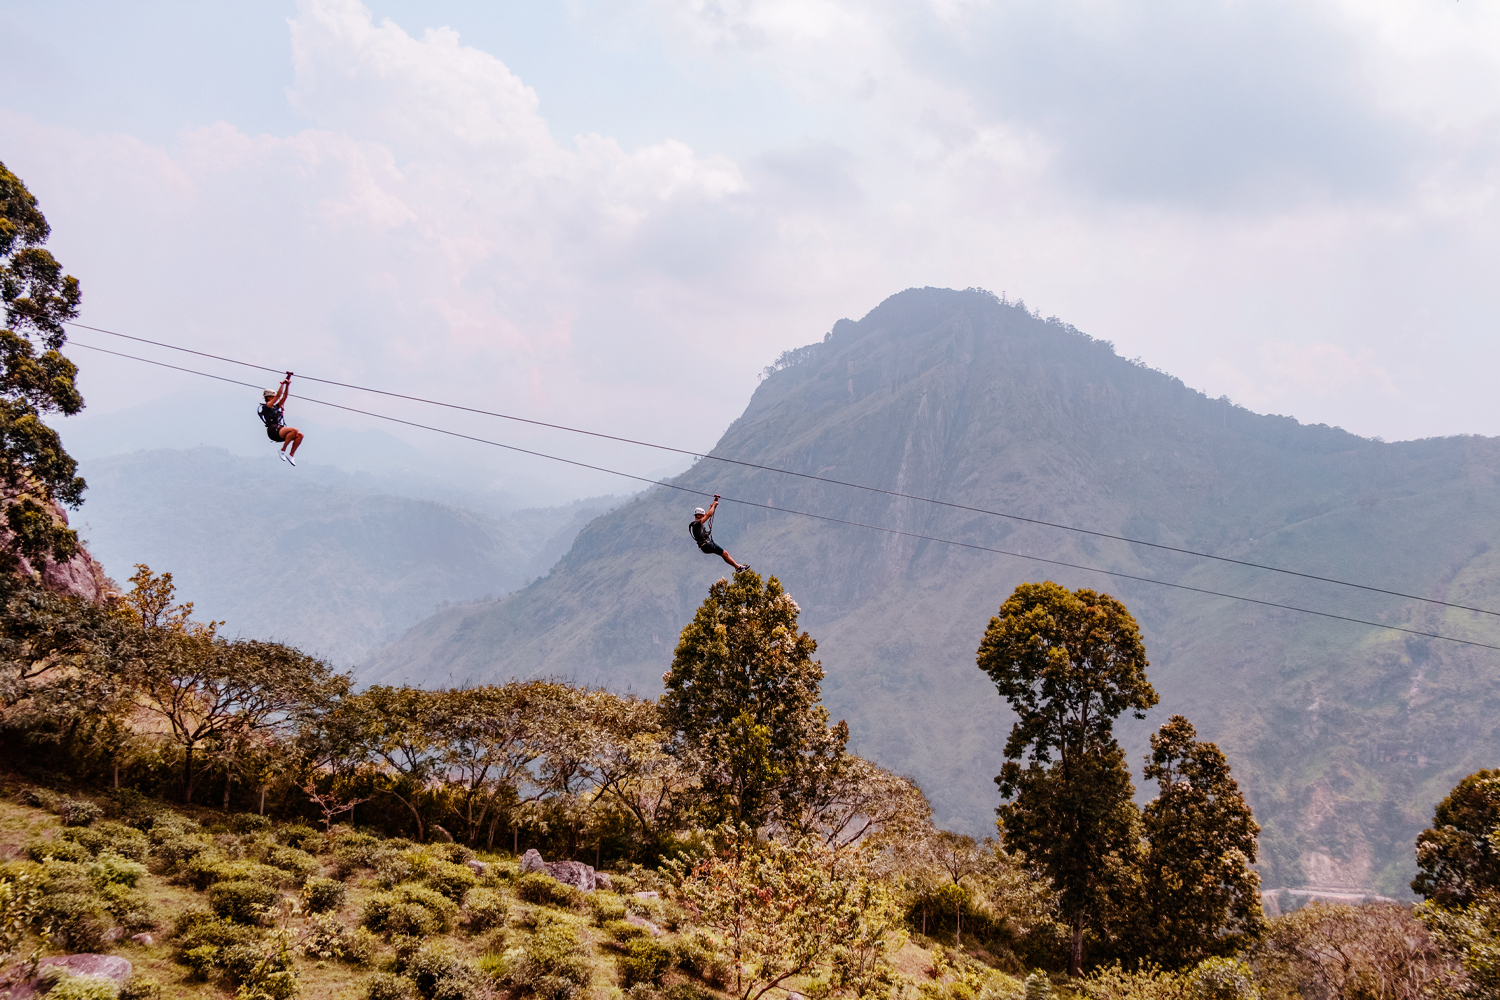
[730, 560]
[298, 442]
[291, 436]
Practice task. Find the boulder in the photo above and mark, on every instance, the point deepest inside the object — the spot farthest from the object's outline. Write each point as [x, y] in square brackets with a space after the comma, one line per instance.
[531, 861]
[647, 895]
[640, 921]
[111, 967]
[478, 867]
[143, 939]
[574, 873]
[601, 881]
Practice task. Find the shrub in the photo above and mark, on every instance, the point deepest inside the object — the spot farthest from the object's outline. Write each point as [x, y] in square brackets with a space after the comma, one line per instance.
[648, 959]
[206, 870]
[83, 988]
[1223, 979]
[452, 880]
[623, 885]
[454, 854]
[41, 798]
[698, 955]
[173, 853]
[323, 894]
[249, 823]
[392, 868]
[623, 930]
[408, 909]
[201, 936]
[78, 919]
[241, 900]
[544, 890]
[87, 837]
[298, 835]
[347, 858]
[606, 906]
[78, 812]
[298, 863]
[112, 869]
[139, 987]
[483, 909]
[328, 938]
[438, 975]
[60, 850]
[385, 986]
[553, 953]
[125, 841]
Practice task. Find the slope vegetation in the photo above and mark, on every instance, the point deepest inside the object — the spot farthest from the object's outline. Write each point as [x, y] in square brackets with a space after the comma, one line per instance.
[1345, 736]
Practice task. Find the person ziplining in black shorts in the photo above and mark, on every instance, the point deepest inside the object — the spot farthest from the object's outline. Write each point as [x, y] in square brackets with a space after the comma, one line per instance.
[273, 415]
[702, 528]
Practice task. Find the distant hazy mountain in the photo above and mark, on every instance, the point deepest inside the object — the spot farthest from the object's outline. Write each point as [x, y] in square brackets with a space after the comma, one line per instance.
[1345, 736]
[331, 561]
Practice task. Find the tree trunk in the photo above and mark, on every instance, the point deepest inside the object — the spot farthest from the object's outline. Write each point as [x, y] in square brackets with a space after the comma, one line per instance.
[117, 773]
[187, 776]
[958, 926]
[1075, 958]
[228, 785]
[263, 789]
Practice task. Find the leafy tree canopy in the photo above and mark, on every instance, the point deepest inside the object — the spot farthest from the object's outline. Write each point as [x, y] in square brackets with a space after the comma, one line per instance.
[1069, 663]
[743, 696]
[36, 474]
[1458, 859]
[1203, 900]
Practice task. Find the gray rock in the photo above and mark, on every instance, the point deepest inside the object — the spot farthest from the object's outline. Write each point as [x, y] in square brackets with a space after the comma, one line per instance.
[601, 881]
[640, 921]
[647, 895]
[574, 873]
[111, 967]
[531, 861]
[113, 934]
[478, 867]
[145, 939]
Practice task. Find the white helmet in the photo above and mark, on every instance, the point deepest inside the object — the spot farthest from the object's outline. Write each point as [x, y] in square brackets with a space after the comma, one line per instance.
[699, 510]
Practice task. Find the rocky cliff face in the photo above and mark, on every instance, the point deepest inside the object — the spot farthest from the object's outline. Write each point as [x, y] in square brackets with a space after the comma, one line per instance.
[82, 576]
[1344, 736]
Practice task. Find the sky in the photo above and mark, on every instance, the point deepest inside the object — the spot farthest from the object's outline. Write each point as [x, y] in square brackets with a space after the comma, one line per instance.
[615, 213]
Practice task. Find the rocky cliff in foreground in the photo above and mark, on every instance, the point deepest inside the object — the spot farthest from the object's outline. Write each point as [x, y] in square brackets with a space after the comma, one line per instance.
[1344, 736]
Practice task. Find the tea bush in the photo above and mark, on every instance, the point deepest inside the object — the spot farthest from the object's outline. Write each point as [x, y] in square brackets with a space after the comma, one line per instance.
[241, 900]
[323, 894]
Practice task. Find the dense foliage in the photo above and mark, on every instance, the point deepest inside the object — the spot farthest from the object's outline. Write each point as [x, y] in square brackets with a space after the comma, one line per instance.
[37, 477]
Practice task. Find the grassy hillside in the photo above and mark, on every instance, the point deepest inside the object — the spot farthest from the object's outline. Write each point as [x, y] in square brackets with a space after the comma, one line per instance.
[280, 909]
[1344, 736]
[330, 561]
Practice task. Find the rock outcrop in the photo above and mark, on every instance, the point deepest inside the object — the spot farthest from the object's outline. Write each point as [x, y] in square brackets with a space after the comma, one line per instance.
[574, 873]
[109, 967]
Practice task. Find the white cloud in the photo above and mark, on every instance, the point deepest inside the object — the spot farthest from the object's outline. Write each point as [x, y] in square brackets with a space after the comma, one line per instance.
[1289, 202]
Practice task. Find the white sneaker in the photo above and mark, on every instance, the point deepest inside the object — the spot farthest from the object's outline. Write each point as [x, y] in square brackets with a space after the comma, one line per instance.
[291, 459]
[281, 455]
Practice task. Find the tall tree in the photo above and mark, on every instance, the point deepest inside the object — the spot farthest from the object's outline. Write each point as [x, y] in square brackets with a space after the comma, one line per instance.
[743, 698]
[1069, 663]
[37, 477]
[1458, 857]
[1201, 898]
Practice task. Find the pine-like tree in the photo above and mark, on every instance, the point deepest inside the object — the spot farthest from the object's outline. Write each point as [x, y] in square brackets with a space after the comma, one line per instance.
[1069, 663]
[37, 476]
[743, 699]
[1201, 898]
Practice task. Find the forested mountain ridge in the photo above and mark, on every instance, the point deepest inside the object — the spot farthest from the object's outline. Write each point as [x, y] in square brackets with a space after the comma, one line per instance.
[1344, 736]
[334, 562]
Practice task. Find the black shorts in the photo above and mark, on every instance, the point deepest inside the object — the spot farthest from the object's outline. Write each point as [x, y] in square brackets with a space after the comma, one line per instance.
[710, 549]
[274, 433]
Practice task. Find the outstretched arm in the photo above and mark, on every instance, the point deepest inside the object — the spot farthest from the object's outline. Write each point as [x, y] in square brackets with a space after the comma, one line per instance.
[281, 393]
[712, 507]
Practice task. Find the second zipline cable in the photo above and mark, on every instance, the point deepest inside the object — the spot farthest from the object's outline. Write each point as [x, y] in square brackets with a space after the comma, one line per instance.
[807, 475]
[821, 517]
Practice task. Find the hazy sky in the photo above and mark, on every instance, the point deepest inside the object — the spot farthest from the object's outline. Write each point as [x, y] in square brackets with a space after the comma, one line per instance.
[615, 212]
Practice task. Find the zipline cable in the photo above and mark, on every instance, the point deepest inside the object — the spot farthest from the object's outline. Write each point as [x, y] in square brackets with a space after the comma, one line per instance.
[821, 479]
[820, 517]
